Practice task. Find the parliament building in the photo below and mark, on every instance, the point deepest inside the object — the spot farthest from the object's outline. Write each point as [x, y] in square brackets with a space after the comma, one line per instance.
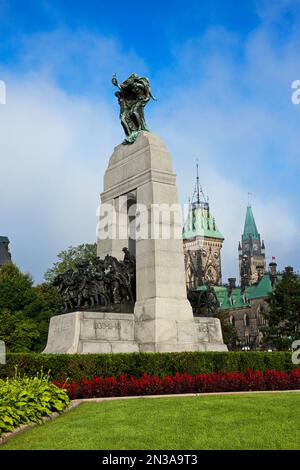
[245, 302]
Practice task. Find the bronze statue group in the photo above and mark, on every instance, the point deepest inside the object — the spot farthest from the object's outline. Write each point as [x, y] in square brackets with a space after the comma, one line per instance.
[107, 283]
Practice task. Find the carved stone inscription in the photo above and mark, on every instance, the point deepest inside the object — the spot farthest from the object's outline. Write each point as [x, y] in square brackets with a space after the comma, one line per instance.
[208, 331]
[107, 329]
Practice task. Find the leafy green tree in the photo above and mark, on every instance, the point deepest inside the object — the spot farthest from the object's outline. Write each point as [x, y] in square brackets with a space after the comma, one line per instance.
[68, 259]
[48, 303]
[15, 288]
[19, 333]
[284, 314]
[25, 310]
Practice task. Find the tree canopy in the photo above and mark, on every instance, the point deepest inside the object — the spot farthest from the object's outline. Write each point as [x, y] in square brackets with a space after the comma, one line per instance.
[25, 310]
[67, 259]
[284, 314]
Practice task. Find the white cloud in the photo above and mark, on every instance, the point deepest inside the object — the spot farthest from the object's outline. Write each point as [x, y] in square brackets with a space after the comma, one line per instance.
[55, 144]
[54, 149]
[78, 60]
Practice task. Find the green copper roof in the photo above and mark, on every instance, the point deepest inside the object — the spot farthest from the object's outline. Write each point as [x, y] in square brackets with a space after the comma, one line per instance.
[237, 300]
[200, 223]
[264, 287]
[250, 229]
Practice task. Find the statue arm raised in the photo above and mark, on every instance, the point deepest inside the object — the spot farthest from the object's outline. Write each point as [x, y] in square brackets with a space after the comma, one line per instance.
[114, 81]
[151, 96]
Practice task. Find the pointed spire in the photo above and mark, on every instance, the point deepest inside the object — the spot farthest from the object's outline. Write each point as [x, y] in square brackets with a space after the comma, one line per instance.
[250, 229]
[199, 198]
[198, 183]
[200, 222]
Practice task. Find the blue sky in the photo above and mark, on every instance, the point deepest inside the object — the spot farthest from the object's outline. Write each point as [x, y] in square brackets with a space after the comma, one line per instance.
[150, 29]
[222, 72]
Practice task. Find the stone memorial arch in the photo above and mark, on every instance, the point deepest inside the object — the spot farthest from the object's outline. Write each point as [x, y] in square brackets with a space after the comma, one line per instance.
[139, 181]
[143, 173]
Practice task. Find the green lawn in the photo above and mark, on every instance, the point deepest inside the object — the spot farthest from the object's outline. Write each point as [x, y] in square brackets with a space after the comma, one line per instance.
[258, 421]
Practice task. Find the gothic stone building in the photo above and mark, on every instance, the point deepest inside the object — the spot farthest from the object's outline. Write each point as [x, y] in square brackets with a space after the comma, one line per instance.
[245, 304]
[5, 255]
[202, 243]
[252, 259]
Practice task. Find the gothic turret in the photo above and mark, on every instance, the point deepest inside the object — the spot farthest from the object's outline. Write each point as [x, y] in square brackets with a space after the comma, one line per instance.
[202, 242]
[251, 252]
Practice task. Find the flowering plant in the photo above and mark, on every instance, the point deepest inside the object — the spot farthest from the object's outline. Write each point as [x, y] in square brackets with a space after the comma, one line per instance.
[181, 383]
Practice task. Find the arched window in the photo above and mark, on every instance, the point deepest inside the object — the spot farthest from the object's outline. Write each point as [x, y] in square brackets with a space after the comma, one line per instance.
[232, 320]
[260, 316]
[131, 214]
[246, 320]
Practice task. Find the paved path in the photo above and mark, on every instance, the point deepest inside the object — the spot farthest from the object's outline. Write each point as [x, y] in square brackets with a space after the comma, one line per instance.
[174, 395]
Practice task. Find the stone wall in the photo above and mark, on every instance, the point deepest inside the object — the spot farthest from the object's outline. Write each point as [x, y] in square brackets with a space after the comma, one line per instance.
[248, 321]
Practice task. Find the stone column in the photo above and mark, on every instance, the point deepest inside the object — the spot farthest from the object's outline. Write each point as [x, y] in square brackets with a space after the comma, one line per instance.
[163, 315]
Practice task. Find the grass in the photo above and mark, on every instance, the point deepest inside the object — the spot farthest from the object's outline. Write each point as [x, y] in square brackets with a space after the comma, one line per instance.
[258, 421]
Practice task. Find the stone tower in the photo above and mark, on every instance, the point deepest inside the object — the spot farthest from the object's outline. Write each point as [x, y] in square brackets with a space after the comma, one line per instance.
[5, 255]
[202, 243]
[252, 259]
[140, 178]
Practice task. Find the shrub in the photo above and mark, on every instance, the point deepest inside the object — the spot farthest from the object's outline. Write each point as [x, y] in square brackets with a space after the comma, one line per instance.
[25, 400]
[181, 383]
[78, 366]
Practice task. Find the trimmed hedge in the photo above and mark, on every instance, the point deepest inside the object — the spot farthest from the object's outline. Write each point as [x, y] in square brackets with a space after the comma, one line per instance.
[78, 366]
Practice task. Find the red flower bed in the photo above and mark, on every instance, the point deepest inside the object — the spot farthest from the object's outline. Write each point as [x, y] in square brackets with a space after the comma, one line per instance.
[181, 383]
